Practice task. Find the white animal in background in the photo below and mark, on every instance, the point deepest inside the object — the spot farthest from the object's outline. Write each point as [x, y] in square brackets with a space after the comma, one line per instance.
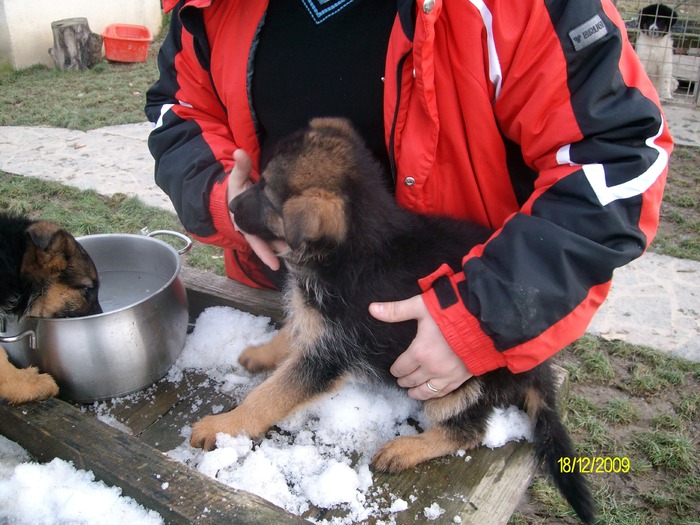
[655, 47]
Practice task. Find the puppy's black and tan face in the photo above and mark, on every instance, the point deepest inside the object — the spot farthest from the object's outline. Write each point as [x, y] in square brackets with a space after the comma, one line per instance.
[301, 196]
[65, 275]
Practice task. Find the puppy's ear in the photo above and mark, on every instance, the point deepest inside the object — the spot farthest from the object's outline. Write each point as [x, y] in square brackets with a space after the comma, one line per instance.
[47, 250]
[342, 125]
[313, 216]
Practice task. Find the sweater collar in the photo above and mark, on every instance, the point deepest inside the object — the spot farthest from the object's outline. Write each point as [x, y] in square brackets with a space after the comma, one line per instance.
[169, 5]
[406, 10]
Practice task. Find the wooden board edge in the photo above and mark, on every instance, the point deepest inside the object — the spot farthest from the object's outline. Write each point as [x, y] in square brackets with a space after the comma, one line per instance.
[222, 291]
[181, 495]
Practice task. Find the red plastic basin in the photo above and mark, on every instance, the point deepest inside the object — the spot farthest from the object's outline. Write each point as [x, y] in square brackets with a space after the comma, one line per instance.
[126, 42]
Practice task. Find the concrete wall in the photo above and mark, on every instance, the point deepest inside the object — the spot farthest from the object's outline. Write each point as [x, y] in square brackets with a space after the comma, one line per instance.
[25, 25]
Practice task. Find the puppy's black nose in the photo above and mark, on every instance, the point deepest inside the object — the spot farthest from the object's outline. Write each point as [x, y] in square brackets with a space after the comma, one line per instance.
[96, 309]
[237, 204]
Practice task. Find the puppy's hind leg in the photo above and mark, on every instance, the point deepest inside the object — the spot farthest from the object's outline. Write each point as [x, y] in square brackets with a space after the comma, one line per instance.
[464, 430]
[408, 451]
[23, 385]
[266, 356]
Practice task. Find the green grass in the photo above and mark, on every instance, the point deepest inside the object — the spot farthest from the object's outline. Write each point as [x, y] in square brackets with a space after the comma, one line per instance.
[594, 365]
[679, 231]
[619, 412]
[689, 406]
[670, 450]
[108, 94]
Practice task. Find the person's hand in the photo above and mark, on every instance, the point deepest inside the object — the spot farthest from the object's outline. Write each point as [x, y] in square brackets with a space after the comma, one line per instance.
[428, 361]
[238, 182]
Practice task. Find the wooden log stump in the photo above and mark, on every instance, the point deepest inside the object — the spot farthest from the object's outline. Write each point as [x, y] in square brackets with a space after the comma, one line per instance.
[75, 47]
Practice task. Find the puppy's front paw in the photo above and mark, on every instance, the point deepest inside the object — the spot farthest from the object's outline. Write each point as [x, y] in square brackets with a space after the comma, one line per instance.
[27, 384]
[204, 432]
[43, 385]
[257, 359]
[232, 423]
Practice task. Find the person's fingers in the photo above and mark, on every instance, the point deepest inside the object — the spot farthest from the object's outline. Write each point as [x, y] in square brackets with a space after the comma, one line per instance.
[407, 371]
[263, 250]
[428, 368]
[240, 174]
[238, 182]
[238, 179]
[397, 311]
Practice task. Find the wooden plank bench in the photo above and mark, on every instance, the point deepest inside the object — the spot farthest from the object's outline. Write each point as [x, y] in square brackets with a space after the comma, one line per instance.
[486, 489]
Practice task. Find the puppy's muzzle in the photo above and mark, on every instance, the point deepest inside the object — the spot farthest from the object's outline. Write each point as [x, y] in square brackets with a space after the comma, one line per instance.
[250, 211]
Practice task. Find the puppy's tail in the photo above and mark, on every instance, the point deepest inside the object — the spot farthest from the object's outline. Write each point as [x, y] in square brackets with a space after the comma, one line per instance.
[554, 446]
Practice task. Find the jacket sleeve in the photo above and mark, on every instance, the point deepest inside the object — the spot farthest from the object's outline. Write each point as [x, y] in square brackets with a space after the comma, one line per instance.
[575, 99]
[191, 141]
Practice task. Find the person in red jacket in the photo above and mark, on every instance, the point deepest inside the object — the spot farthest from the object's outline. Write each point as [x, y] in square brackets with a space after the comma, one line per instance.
[533, 117]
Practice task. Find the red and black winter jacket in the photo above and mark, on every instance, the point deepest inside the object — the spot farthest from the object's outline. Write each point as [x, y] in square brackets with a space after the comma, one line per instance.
[531, 116]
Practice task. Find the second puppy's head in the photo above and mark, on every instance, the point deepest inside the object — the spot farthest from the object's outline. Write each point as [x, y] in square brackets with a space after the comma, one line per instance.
[61, 274]
[304, 195]
[656, 20]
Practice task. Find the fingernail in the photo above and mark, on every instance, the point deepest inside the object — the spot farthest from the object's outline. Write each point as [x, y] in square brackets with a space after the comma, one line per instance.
[376, 308]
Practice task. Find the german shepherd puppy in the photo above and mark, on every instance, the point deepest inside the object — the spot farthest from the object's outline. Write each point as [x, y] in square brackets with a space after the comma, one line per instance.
[44, 272]
[350, 244]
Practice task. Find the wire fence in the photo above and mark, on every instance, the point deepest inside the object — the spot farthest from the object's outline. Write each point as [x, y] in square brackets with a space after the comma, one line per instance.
[672, 60]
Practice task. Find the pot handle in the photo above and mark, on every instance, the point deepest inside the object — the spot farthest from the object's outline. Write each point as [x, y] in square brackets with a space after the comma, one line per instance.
[188, 241]
[14, 338]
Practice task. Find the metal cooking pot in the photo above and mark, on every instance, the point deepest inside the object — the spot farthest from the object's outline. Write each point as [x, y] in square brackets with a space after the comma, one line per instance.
[132, 343]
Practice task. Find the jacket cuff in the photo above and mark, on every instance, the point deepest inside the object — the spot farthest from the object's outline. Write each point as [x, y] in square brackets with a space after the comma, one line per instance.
[218, 208]
[459, 327]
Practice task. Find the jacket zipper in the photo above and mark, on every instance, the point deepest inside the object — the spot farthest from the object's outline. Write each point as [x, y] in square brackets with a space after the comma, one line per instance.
[399, 80]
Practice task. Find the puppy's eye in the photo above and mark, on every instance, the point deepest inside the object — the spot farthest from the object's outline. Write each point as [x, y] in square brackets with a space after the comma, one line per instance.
[86, 291]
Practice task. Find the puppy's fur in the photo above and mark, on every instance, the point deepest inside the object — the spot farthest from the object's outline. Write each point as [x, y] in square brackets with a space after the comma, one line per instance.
[349, 245]
[44, 272]
[654, 47]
